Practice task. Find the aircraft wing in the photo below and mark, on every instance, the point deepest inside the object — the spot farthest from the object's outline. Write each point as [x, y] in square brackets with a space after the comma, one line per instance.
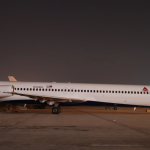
[51, 98]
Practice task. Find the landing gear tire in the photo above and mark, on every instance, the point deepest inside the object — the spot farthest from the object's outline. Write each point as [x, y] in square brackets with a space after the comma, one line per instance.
[115, 108]
[56, 110]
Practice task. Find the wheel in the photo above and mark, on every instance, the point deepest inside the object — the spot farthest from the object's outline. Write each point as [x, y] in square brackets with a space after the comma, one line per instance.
[55, 110]
[115, 108]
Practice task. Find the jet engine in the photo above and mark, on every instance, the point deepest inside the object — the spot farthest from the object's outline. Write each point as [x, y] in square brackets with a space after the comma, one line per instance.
[6, 91]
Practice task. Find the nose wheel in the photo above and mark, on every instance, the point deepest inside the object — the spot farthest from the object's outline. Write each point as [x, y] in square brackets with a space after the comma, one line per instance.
[115, 108]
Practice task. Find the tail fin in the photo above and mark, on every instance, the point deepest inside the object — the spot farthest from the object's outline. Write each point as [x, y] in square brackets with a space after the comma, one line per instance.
[11, 78]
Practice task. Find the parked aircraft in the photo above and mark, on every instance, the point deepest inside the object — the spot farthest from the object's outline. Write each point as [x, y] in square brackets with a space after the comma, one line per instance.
[55, 93]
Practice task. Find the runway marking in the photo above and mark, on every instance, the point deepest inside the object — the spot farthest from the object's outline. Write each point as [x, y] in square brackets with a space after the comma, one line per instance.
[98, 145]
[90, 145]
[114, 122]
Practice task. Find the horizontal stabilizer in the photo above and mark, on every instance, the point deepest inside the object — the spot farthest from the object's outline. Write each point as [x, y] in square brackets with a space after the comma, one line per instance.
[11, 78]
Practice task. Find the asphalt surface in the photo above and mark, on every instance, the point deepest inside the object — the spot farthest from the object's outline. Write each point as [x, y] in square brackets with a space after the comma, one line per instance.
[75, 128]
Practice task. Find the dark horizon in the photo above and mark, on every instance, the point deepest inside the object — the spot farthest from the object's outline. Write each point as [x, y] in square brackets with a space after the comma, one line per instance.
[84, 41]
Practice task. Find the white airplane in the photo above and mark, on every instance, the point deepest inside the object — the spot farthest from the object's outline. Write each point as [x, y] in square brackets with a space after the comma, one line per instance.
[55, 93]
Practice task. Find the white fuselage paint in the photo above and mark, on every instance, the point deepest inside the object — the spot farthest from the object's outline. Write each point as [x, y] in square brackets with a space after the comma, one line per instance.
[118, 98]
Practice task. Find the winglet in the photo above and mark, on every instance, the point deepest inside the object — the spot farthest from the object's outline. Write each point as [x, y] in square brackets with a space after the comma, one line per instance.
[11, 78]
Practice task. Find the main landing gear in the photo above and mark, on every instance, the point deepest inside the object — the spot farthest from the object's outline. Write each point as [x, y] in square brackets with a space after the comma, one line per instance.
[56, 109]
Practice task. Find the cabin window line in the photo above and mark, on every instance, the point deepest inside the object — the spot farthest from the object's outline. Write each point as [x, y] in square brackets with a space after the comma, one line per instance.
[75, 90]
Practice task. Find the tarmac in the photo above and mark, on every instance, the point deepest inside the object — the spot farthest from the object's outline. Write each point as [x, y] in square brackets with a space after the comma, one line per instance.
[76, 128]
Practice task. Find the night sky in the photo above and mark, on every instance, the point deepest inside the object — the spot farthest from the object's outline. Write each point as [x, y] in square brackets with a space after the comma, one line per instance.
[83, 41]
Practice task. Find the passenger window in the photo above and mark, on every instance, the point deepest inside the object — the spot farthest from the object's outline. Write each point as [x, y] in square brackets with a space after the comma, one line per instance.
[30, 89]
[109, 91]
[65, 90]
[122, 92]
[81, 90]
[103, 91]
[24, 89]
[68, 90]
[45, 89]
[97, 91]
[125, 92]
[137, 92]
[128, 92]
[39, 89]
[62, 90]
[112, 91]
[42, 89]
[141, 92]
[75, 90]
[17, 88]
[106, 91]
[72, 90]
[27, 89]
[36, 89]
[147, 92]
[91, 91]
[131, 92]
[52, 89]
[134, 92]
[144, 92]
[33, 89]
[94, 91]
[116, 91]
[55, 89]
[58, 90]
[100, 91]
[49, 89]
[87, 90]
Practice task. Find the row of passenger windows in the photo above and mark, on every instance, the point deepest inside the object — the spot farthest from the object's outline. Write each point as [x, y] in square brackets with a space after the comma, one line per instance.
[74, 90]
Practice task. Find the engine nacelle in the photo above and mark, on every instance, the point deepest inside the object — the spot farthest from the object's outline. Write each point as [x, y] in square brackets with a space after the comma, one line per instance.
[6, 91]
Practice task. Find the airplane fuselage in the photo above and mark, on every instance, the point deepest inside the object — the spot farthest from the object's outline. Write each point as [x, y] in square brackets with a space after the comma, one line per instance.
[107, 93]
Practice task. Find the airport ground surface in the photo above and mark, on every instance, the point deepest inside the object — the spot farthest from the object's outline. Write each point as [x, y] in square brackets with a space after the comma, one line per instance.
[77, 127]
